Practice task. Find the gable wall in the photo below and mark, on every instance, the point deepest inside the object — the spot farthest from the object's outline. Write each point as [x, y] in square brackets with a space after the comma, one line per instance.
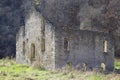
[33, 36]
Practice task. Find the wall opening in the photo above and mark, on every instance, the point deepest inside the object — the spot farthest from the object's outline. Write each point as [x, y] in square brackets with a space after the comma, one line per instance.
[43, 36]
[32, 51]
[105, 46]
[23, 48]
[42, 45]
[27, 40]
[103, 66]
[84, 67]
[66, 44]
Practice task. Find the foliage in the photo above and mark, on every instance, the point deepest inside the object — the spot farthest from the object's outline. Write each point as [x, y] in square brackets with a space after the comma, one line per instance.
[112, 14]
[37, 2]
[117, 63]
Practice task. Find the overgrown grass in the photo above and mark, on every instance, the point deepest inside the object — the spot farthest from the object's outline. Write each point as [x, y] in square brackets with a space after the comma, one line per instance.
[10, 70]
[117, 63]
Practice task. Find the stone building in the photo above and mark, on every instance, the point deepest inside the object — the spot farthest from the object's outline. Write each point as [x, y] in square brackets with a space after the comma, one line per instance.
[55, 47]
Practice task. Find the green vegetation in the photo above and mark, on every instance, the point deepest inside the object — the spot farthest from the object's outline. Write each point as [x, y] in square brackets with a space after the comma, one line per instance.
[117, 63]
[37, 2]
[9, 70]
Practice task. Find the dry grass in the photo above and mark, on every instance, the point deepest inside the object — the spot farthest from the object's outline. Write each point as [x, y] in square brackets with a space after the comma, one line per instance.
[9, 70]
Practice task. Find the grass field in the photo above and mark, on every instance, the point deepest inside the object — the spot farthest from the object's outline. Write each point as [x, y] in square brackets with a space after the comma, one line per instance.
[9, 70]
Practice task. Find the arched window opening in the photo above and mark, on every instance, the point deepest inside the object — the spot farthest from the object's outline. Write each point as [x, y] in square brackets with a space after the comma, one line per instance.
[43, 36]
[42, 45]
[32, 51]
[105, 44]
[23, 48]
[66, 44]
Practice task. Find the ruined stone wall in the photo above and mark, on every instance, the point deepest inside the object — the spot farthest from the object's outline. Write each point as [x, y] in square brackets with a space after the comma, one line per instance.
[49, 55]
[20, 57]
[84, 47]
[32, 35]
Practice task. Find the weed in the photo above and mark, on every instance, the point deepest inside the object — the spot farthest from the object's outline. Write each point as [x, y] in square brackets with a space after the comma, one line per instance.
[9, 70]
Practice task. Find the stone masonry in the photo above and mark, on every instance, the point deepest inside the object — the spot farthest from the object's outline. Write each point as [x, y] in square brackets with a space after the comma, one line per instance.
[55, 47]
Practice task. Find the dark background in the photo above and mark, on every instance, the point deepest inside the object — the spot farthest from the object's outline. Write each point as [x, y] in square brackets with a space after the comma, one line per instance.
[58, 12]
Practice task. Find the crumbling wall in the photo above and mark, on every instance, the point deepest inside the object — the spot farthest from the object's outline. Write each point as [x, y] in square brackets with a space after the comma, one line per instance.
[33, 35]
[49, 55]
[84, 47]
[20, 38]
